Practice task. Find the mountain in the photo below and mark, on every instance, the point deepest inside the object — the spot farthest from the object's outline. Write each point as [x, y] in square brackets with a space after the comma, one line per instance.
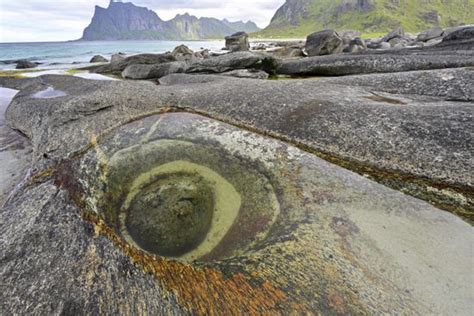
[126, 21]
[190, 27]
[248, 27]
[298, 18]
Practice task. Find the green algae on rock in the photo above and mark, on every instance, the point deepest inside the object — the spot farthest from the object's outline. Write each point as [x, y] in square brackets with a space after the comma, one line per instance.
[189, 200]
[169, 215]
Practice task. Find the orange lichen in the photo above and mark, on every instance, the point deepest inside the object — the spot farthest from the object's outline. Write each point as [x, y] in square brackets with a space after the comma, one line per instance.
[337, 303]
[205, 291]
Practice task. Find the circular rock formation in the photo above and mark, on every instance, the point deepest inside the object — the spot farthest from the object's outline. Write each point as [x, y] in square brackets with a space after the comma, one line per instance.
[170, 215]
[188, 199]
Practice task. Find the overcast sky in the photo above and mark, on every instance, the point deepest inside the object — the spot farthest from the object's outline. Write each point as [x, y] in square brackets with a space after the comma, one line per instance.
[60, 20]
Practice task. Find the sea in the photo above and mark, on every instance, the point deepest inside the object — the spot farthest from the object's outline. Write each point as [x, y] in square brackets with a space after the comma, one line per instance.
[65, 55]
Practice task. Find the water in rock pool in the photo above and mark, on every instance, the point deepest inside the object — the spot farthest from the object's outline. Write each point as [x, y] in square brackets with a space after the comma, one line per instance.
[49, 93]
[172, 208]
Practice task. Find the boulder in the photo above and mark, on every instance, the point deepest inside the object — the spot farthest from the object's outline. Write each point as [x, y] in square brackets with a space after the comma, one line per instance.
[25, 64]
[182, 52]
[450, 30]
[99, 59]
[144, 71]
[430, 34]
[118, 67]
[237, 42]
[233, 61]
[462, 34]
[348, 35]
[399, 32]
[198, 55]
[117, 58]
[204, 53]
[356, 45]
[325, 42]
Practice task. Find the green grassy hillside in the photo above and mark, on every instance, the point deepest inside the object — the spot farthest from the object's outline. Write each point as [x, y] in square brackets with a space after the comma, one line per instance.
[298, 18]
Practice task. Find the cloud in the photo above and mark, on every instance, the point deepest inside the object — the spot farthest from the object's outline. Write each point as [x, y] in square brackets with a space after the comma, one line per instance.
[53, 20]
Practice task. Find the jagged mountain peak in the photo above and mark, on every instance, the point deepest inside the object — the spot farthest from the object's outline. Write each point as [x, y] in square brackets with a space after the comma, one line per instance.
[126, 21]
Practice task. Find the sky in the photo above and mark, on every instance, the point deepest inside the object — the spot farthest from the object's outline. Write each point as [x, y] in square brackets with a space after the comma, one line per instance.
[59, 20]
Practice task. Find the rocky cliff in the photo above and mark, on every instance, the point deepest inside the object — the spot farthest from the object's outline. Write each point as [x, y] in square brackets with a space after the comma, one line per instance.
[297, 18]
[125, 21]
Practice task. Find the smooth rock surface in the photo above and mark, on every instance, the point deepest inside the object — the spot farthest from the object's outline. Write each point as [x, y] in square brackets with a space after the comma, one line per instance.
[462, 34]
[436, 57]
[233, 61]
[237, 42]
[154, 71]
[360, 247]
[246, 73]
[333, 242]
[117, 58]
[450, 84]
[184, 79]
[324, 42]
[419, 142]
[99, 59]
[120, 65]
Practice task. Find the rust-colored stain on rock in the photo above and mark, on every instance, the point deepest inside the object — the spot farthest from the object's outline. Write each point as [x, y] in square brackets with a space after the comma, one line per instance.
[205, 291]
[337, 303]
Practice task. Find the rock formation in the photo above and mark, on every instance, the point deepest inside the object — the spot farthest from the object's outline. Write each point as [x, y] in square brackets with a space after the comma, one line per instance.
[237, 42]
[125, 21]
[98, 59]
[25, 64]
[325, 42]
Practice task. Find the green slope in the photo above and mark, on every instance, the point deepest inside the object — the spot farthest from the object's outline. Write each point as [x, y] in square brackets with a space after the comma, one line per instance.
[384, 15]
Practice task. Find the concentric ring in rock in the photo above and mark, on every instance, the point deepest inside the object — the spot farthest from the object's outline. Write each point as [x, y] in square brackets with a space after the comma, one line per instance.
[188, 198]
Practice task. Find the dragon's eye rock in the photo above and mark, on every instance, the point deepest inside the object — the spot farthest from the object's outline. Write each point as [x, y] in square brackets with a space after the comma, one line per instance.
[189, 198]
